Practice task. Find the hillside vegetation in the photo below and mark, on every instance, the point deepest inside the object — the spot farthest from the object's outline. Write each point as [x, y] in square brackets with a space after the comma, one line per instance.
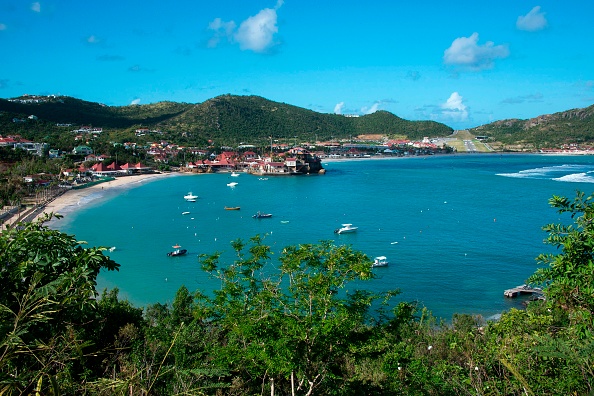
[549, 130]
[227, 119]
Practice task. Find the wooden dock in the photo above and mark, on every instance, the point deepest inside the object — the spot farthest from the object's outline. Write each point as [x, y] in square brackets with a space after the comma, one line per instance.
[522, 289]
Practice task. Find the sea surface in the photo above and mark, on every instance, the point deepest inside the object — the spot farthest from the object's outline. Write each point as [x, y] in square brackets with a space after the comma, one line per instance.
[457, 229]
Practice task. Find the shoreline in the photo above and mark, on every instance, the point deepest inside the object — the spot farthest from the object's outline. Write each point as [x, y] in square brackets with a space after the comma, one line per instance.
[70, 200]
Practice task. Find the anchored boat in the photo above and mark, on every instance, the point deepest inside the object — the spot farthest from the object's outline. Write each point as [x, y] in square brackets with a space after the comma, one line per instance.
[346, 228]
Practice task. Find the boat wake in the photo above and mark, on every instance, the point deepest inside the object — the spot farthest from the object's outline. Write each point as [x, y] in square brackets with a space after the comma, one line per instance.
[562, 173]
[577, 178]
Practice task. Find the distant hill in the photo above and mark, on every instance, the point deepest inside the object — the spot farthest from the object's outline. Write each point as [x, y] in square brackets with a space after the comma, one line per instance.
[549, 130]
[226, 119]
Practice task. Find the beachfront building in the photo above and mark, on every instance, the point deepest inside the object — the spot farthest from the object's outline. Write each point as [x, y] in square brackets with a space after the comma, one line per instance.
[134, 169]
[101, 170]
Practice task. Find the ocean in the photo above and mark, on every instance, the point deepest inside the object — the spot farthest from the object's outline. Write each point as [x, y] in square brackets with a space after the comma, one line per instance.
[457, 229]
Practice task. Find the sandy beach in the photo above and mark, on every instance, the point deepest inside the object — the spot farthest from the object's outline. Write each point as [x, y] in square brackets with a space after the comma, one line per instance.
[70, 200]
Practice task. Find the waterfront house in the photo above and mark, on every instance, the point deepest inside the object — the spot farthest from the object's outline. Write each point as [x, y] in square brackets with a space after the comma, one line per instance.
[100, 169]
[249, 155]
[114, 167]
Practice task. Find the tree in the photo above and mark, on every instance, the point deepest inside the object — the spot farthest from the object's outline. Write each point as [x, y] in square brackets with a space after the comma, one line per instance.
[568, 276]
[48, 293]
[290, 326]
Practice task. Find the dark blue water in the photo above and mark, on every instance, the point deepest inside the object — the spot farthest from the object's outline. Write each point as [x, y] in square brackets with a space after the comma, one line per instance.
[457, 230]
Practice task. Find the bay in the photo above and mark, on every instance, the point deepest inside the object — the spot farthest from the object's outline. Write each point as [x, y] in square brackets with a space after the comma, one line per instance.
[457, 229]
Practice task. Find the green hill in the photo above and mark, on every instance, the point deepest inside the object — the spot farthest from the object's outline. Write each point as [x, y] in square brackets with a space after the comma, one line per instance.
[549, 130]
[226, 119]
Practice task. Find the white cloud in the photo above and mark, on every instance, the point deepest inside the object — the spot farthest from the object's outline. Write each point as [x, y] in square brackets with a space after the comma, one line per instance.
[36, 7]
[221, 30]
[533, 21]
[372, 109]
[135, 101]
[338, 108]
[256, 33]
[2, 26]
[465, 51]
[454, 109]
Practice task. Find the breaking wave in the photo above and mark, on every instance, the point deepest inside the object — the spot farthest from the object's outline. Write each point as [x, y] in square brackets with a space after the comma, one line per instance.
[562, 173]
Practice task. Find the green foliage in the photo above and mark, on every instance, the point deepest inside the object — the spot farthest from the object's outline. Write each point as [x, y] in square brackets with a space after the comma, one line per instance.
[48, 289]
[569, 275]
[292, 326]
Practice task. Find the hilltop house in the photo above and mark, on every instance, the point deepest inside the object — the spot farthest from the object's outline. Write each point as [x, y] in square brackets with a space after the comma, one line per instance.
[82, 150]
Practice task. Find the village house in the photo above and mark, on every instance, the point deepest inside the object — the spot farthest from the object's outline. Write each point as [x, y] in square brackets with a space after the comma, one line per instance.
[249, 155]
[82, 150]
[88, 129]
[17, 142]
[54, 153]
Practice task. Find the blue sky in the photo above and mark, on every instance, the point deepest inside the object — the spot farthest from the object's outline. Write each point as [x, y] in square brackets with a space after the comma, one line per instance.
[463, 63]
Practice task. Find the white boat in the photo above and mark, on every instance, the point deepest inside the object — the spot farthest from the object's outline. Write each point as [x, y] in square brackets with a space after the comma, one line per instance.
[380, 261]
[185, 213]
[232, 184]
[262, 215]
[234, 174]
[346, 228]
[190, 197]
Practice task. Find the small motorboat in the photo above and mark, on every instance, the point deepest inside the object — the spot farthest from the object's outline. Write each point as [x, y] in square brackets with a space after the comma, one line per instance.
[190, 197]
[380, 261]
[234, 174]
[177, 252]
[262, 215]
[346, 228]
[232, 208]
[232, 184]
[185, 213]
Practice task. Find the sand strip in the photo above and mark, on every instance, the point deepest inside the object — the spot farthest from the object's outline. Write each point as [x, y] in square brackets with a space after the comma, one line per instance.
[70, 200]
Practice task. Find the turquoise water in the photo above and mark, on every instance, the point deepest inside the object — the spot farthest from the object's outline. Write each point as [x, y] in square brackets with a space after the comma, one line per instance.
[457, 230]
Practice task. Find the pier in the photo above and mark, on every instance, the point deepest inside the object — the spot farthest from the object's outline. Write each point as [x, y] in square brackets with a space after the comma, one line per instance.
[522, 289]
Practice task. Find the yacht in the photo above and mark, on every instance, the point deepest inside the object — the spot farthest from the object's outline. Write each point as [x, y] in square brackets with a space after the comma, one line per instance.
[260, 215]
[190, 197]
[380, 261]
[346, 228]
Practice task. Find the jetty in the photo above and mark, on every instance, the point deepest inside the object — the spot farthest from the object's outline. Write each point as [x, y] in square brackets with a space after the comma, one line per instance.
[522, 289]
